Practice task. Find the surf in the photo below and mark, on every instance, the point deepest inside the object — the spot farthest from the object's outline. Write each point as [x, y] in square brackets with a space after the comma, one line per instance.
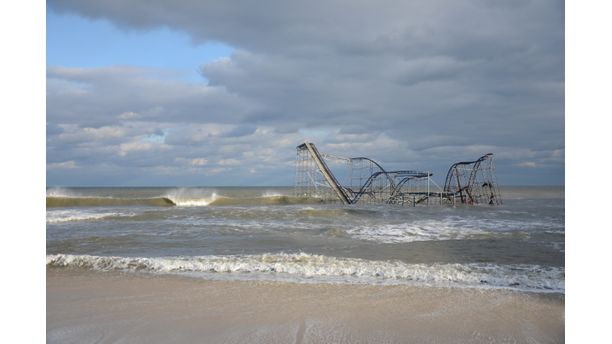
[171, 201]
[59, 201]
[72, 215]
[304, 267]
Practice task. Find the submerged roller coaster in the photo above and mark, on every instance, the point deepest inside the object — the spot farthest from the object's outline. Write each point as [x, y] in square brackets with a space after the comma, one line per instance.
[363, 180]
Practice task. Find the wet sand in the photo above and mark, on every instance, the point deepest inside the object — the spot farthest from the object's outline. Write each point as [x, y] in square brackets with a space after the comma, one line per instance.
[88, 307]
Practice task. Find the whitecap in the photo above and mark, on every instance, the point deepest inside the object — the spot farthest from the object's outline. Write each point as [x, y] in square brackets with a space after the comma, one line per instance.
[303, 267]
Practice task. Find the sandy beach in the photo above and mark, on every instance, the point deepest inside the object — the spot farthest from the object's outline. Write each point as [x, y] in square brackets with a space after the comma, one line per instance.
[110, 307]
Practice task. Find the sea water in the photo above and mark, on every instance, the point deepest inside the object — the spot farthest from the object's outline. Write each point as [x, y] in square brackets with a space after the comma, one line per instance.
[265, 233]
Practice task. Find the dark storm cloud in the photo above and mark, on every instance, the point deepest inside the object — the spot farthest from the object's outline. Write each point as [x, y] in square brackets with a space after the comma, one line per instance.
[418, 82]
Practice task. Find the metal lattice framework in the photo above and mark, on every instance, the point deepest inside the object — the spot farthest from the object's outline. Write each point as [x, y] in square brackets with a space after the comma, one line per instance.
[473, 182]
[363, 180]
[358, 180]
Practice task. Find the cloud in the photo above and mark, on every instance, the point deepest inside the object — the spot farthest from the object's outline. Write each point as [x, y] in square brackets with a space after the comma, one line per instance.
[199, 162]
[229, 162]
[129, 147]
[528, 164]
[62, 165]
[413, 84]
[114, 94]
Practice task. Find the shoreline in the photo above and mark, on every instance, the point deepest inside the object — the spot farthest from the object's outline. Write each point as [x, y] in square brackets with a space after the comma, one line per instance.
[87, 306]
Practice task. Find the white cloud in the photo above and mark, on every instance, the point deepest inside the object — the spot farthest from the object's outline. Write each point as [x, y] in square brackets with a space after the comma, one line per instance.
[62, 165]
[199, 162]
[129, 147]
[528, 164]
[127, 115]
[229, 162]
[215, 171]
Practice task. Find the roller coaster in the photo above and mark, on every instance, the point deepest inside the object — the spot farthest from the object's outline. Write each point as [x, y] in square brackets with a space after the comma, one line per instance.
[363, 180]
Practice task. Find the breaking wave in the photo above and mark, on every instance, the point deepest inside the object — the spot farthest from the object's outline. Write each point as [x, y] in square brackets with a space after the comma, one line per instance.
[415, 231]
[59, 216]
[57, 201]
[302, 267]
[169, 201]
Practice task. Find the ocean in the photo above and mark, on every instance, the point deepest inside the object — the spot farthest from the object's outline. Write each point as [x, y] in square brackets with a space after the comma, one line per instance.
[266, 234]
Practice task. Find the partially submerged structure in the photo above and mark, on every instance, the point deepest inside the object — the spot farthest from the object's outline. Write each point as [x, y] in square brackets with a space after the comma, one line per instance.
[363, 180]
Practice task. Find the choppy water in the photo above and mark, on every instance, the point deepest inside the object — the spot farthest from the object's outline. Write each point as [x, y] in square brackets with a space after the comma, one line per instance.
[265, 233]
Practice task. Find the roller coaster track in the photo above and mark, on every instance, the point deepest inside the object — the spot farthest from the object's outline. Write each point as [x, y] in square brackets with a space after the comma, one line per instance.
[468, 188]
[387, 182]
[326, 172]
[407, 175]
[363, 180]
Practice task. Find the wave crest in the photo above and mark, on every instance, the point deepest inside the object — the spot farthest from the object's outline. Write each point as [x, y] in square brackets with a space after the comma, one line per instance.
[308, 267]
[53, 202]
[59, 216]
[173, 200]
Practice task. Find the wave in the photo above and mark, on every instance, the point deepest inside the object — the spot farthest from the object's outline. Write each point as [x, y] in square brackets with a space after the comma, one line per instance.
[272, 194]
[424, 230]
[62, 201]
[59, 216]
[303, 267]
[183, 201]
[168, 201]
[266, 200]
[442, 229]
[196, 197]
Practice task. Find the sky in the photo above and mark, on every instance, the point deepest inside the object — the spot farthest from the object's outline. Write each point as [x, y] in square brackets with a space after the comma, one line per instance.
[205, 93]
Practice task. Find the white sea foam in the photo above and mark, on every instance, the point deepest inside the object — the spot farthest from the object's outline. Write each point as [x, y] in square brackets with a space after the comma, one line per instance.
[60, 192]
[447, 228]
[59, 216]
[423, 230]
[272, 194]
[192, 197]
[304, 267]
[200, 202]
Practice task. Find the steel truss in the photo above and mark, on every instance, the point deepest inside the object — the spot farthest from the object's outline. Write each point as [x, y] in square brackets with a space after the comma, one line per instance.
[473, 182]
[363, 180]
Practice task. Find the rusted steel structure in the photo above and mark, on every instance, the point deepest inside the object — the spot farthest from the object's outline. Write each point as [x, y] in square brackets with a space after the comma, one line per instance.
[363, 180]
[473, 182]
